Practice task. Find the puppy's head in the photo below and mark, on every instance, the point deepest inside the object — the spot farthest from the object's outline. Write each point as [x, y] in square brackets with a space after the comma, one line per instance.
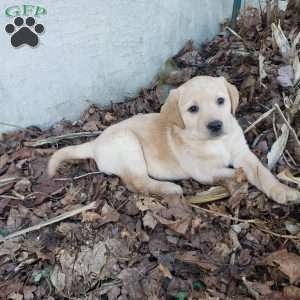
[203, 105]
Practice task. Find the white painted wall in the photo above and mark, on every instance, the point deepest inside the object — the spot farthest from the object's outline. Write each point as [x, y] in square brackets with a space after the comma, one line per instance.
[97, 50]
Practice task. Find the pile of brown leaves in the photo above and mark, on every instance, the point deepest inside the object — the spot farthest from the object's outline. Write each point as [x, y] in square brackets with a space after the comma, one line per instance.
[135, 247]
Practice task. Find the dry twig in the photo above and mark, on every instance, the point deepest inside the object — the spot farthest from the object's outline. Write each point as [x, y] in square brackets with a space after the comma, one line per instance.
[55, 139]
[216, 213]
[54, 220]
[260, 224]
[78, 177]
[261, 118]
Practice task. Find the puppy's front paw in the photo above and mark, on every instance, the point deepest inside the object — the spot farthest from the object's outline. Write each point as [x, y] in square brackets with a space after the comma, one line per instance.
[285, 195]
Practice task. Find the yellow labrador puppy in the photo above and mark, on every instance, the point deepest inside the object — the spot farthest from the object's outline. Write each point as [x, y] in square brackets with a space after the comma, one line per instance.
[195, 135]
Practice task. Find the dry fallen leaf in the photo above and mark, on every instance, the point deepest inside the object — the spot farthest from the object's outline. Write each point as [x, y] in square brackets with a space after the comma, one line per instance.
[83, 265]
[148, 203]
[90, 216]
[292, 292]
[292, 226]
[14, 220]
[3, 160]
[180, 225]
[90, 126]
[197, 259]
[22, 186]
[15, 296]
[9, 248]
[108, 214]
[285, 76]
[28, 292]
[71, 197]
[108, 117]
[171, 211]
[10, 286]
[179, 76]
[258, 288]
[177, 215]
[132, 283]
[83, 268]
[288, 263]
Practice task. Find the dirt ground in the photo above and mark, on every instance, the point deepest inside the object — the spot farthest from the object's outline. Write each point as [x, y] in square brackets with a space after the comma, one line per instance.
[230, 243]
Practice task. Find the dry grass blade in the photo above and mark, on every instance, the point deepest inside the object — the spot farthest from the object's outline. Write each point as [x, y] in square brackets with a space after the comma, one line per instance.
[278, 147]
[213, 194]
[5, 181]
[294, 59]
[296, 68]
[234, 33]
[269, 12]
[55, 139]
[54, 220]
[294, 51]
[281, 41]
[287, 123]
[238, 36]
[262, 72]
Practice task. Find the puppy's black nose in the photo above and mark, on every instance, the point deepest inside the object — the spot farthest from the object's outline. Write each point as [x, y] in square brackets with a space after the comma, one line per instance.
[215, 126]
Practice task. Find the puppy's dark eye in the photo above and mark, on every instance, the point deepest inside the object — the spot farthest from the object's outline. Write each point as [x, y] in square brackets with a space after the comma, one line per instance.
[220, 101]
[193, 109]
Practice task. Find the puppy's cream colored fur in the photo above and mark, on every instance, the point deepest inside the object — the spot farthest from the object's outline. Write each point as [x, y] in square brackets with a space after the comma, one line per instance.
[148, 150]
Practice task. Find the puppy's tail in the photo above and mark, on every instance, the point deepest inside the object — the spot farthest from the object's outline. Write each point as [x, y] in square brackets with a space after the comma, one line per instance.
[82, 151]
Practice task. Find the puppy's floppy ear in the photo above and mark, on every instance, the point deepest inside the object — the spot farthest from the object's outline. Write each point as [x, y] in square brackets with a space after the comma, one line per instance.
[170, 110]
[233, 94]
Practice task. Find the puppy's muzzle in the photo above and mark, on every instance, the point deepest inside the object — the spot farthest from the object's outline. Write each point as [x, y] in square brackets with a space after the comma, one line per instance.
[215, 127]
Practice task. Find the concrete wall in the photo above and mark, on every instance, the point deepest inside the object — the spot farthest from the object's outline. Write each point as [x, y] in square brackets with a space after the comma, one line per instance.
[100, 51]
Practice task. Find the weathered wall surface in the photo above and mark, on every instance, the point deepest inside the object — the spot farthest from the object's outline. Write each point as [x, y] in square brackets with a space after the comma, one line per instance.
[93, 50]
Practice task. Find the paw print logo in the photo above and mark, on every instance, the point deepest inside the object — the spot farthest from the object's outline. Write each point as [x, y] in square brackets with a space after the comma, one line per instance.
[24, 33]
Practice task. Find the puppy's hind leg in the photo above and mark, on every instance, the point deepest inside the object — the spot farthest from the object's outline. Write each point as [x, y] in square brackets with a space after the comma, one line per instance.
[137, 179]
[123, 155]
[147, 185]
